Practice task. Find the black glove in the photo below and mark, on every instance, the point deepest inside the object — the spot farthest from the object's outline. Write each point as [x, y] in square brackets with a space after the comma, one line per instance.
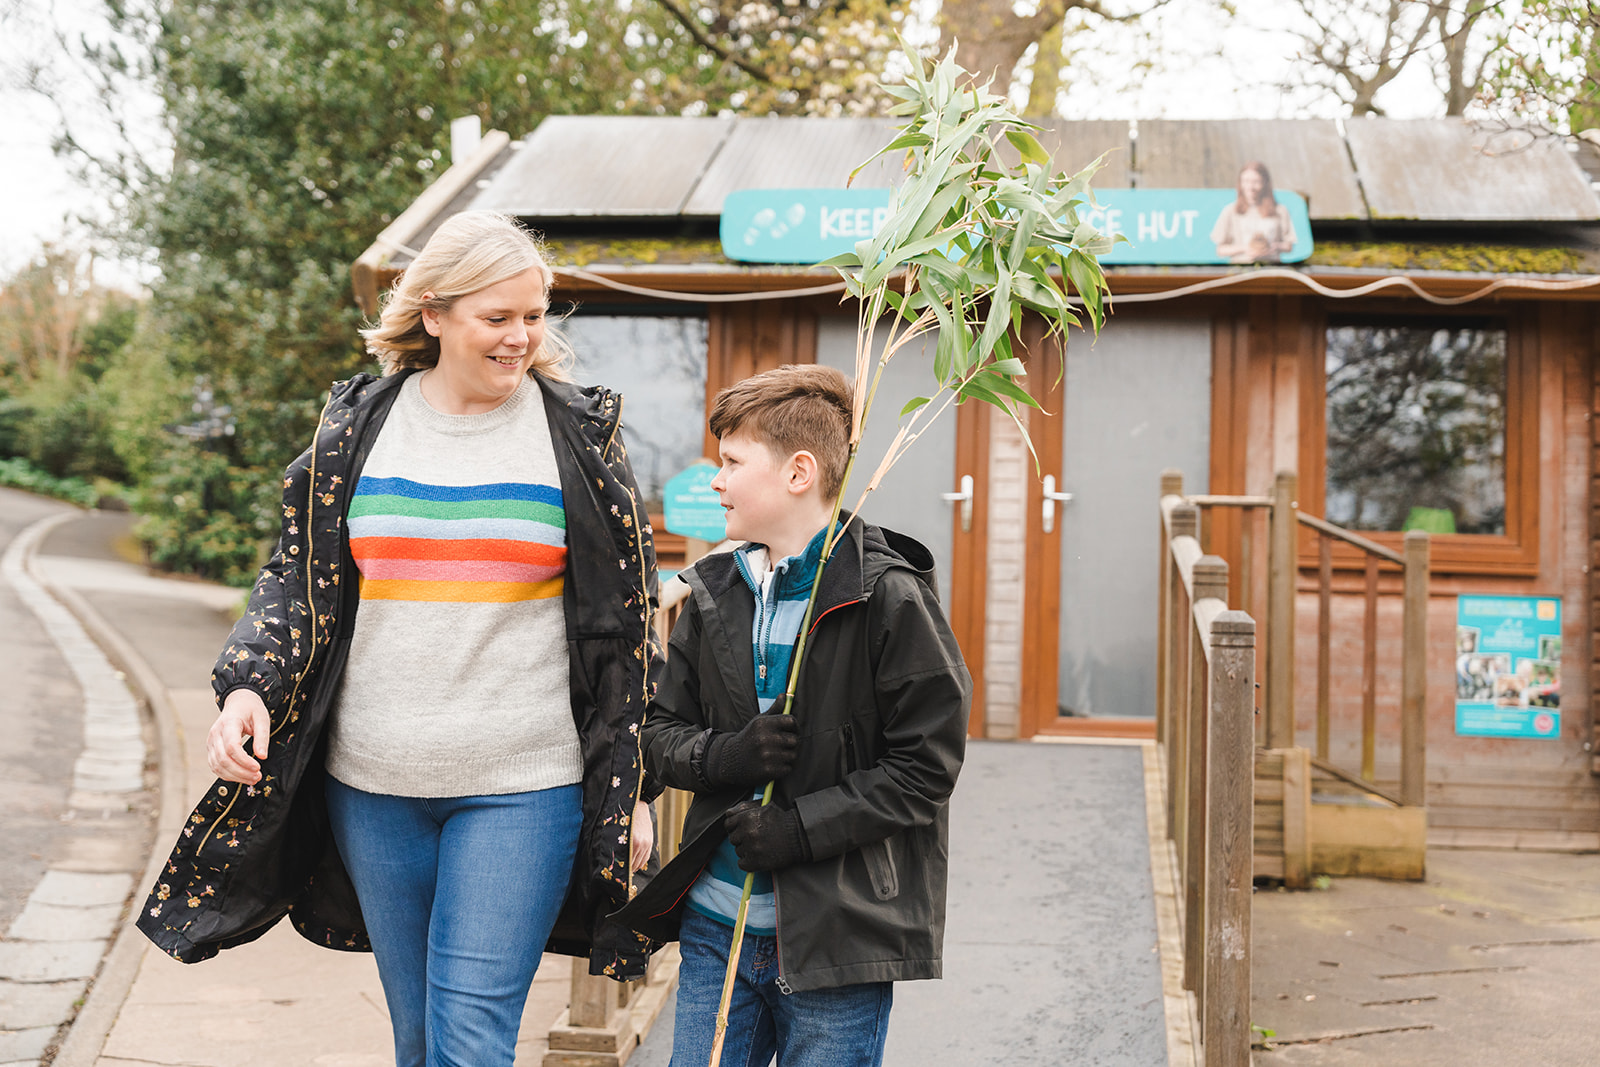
[763, 751]
[766, 838]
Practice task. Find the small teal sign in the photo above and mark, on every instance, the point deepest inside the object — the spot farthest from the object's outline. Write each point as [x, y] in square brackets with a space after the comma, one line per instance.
[799, 225]
[692, 508]
[1508, 666]
[1163, 226]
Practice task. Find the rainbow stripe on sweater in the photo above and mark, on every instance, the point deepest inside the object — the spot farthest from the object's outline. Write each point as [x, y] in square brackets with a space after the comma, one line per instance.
[498, 543]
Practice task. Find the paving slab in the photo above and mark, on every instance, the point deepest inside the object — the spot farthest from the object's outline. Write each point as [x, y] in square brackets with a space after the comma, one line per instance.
[49, 961]
[52, 922]
[79, 889]
[26, 1045]
[33, 1004]
[283, 1000]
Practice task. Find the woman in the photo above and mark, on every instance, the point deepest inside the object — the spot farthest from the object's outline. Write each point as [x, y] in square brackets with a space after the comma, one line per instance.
[1255, 228]
[442, 672]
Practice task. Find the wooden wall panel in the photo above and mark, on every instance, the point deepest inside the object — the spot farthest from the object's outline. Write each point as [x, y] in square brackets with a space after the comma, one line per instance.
[748, 338]
[1041, 624]
[970, 553]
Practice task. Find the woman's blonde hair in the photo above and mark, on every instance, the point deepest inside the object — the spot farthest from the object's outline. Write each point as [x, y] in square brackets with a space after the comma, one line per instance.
[468, 253]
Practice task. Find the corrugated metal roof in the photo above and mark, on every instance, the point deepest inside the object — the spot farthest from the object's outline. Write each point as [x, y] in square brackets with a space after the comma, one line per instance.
[1305, 156]
[1074, 145]
[611, 165]
[1450, 170]
[1443, 170]
[795, 153]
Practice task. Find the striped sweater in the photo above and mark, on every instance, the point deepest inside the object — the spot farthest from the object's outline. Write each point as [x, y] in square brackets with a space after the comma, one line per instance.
[457, 681]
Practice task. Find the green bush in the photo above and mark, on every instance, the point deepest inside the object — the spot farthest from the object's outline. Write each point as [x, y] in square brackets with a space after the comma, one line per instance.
[206, 517]
[20, 474]
[68, 430]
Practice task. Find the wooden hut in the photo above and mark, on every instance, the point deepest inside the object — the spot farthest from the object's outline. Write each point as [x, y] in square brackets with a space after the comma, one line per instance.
[1431, 364]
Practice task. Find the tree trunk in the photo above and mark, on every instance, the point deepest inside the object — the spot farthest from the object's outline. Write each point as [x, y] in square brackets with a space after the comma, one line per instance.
[992, 37]
[1046, 75]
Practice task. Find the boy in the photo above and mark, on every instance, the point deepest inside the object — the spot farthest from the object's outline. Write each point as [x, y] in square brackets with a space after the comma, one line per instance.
[851, 855]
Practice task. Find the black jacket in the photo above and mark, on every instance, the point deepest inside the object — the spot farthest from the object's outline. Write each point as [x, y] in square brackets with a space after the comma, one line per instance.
[882, 708]
[249, 855]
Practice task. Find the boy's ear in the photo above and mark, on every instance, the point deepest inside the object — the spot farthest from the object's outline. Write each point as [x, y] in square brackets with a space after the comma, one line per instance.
[801, 473]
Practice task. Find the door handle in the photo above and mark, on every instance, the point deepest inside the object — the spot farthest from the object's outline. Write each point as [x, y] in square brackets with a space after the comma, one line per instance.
[1051, 499]
[964, 498]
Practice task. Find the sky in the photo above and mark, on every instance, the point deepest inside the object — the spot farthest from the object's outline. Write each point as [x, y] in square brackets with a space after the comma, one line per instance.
[1210, 68]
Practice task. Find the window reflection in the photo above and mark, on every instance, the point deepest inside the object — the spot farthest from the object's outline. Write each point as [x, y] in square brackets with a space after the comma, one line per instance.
[658, 363]
[1417, 426]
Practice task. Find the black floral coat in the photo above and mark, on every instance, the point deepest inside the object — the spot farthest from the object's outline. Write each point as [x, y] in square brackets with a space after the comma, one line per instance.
[251, 854]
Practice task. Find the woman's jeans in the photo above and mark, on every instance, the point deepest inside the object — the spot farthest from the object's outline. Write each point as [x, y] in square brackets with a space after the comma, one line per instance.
[459, 895]
[843, 1027]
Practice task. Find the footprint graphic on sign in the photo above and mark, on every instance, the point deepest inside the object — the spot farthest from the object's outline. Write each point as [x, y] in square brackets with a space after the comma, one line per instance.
[767, 219]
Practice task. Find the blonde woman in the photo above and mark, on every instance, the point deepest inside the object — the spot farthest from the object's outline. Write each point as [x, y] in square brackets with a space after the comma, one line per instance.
[1255, 228]
[441, 673]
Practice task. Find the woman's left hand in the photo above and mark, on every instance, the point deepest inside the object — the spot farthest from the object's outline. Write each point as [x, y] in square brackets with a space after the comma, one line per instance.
[644, 837]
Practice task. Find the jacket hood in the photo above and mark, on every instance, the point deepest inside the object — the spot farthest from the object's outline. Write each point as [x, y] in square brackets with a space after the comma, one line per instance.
[863, 555]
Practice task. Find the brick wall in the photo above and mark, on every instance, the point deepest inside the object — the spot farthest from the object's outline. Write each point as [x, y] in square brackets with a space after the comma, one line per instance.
[1008, 469]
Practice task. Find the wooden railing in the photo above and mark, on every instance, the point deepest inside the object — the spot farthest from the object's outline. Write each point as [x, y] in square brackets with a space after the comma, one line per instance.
[605, 1020]
[1205, 727]
[1284, 522]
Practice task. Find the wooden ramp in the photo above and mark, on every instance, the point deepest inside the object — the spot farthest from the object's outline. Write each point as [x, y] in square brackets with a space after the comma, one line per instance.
[1051, 944]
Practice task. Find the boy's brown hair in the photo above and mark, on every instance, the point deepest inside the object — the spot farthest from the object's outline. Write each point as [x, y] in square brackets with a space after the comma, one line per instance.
[799, 407]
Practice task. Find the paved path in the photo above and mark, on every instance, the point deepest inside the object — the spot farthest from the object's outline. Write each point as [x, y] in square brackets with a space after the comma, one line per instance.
[281, 999]
[1051, 954]
[1494, 960]
[1051, 949]
[77, 797]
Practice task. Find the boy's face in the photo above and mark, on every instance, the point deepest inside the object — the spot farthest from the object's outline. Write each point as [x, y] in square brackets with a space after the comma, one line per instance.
[753, 486]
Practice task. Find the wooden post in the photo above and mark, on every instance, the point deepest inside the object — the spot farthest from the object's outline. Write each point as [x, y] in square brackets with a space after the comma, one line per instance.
[596, 1030]
[1414, 674]
[1185, 523]
[1171, 485]
[1369, 675]
[1324, 639]
[1281, 570]
[1210, 583]
[1225, 1016]
[1296, 817]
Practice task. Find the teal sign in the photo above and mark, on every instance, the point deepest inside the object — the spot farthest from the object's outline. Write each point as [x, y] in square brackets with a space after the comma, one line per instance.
[692, 508]
[1171, 226]
[1508, 666]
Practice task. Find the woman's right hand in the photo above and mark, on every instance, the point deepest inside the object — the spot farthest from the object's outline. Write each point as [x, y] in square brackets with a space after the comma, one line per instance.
[243, 714]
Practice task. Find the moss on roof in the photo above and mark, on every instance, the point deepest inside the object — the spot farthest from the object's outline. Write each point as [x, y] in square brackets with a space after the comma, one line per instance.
[1383, 255]
[1462, 258]
[575, 252]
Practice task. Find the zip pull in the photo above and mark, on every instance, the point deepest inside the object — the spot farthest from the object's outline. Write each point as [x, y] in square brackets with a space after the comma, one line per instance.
[763, 670]
[783, 985]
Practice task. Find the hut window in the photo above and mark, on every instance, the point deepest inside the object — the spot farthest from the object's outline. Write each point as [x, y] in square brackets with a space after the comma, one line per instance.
[1416, 424]
[658, 363]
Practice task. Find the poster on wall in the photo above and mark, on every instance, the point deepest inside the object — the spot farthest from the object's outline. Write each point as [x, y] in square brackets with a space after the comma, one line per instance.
[1508, 666]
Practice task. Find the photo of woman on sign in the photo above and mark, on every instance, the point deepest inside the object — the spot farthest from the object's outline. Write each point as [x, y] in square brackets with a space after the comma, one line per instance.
[1255, 228]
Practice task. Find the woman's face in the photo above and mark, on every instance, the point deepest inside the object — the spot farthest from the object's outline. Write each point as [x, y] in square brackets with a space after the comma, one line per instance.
[487, 339]
[1250, 185]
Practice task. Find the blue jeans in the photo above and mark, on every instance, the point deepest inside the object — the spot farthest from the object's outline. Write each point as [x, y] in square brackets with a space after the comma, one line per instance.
[843, 1027]
[459, 895]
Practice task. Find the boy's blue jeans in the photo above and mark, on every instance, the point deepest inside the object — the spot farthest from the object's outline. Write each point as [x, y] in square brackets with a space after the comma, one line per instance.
[843, 1027]
[459, 895]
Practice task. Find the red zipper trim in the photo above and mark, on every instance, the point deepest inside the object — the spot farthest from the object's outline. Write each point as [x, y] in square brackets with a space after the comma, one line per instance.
[674, 905]
[818, 620]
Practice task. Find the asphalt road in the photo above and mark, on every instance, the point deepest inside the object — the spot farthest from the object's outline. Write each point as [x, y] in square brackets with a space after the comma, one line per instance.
[41, 728]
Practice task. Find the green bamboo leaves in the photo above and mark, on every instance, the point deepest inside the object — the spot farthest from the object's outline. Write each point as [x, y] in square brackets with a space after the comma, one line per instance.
[971, 245]
[982, 232]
